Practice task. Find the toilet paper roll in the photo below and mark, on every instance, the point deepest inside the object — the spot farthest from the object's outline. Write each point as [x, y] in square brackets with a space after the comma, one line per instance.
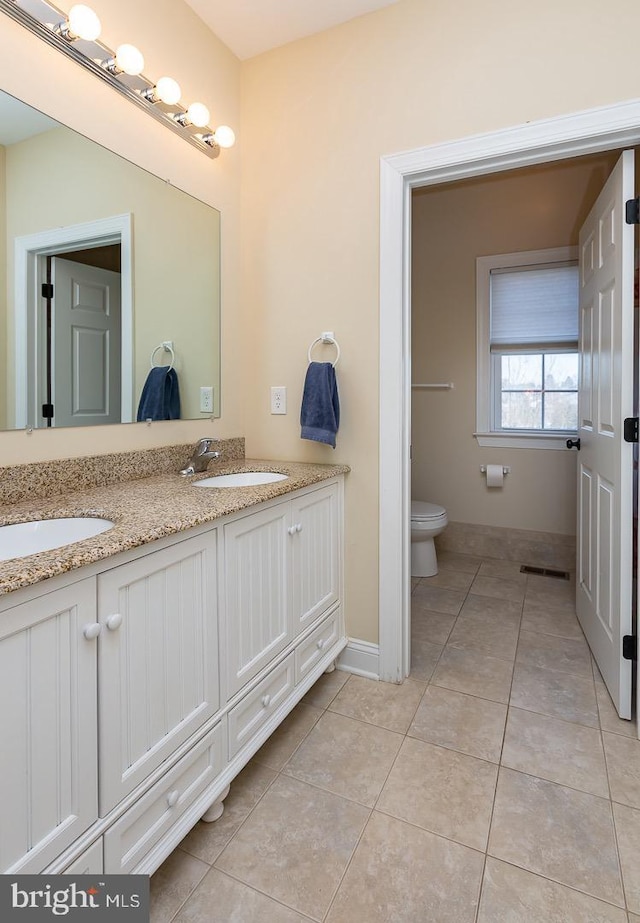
[495, 476]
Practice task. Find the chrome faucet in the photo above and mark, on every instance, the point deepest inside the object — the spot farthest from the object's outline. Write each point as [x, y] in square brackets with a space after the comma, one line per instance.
[201, 456]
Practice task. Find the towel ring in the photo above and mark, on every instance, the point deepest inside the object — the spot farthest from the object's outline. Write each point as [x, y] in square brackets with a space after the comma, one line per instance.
[329, 340]
[168, 348]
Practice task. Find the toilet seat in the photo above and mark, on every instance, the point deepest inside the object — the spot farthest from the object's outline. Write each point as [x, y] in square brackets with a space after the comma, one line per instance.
[426, 512]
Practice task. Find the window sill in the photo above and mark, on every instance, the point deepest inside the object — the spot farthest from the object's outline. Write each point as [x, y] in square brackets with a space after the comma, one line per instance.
[524, 440]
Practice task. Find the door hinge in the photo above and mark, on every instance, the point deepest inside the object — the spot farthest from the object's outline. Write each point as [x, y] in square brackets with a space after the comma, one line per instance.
[632, 211]
[47, 290]
[631, 429]
[629, 647]
[47, 411]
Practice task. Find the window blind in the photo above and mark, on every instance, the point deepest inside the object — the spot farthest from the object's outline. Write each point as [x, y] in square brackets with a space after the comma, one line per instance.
[537, 306]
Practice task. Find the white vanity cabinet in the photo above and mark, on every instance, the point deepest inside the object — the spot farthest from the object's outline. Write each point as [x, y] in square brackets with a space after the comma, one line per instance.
[48, 721]
[256, 585]
[90, 862]
[133, 692]
[281, 573]
[157, 660]
[315, 555]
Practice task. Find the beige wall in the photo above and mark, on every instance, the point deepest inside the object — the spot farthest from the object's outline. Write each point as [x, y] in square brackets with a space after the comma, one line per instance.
[317, 116]
[176, 242]
[173, 41]
[453, 224]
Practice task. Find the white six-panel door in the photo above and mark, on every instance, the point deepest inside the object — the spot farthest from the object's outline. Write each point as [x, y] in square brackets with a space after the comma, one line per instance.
[605, 460]
[86, 344]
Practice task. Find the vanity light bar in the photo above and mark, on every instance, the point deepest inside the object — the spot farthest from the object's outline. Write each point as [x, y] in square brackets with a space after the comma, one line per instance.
[52, 25]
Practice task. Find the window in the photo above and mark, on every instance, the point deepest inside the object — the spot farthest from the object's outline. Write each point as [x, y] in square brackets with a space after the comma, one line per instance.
[537, 391]
[527, 348]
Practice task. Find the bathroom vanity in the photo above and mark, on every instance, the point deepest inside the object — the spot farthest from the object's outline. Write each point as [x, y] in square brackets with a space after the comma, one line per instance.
[136, 686]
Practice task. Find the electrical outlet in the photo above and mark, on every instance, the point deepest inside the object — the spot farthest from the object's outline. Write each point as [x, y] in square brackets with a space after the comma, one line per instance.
[206, 399]
[279, 399]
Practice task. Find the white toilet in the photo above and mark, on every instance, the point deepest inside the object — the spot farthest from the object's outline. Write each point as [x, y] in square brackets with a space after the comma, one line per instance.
[427, 521]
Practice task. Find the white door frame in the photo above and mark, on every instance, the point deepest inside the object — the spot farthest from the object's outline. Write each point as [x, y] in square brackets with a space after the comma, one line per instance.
[559, 138]
[56, 242]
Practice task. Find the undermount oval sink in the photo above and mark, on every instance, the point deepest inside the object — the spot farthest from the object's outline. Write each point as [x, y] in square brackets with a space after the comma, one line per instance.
[241, 479]
[20, 539]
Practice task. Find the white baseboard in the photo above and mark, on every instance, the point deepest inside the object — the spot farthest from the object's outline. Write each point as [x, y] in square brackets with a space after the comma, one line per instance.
[361, 658]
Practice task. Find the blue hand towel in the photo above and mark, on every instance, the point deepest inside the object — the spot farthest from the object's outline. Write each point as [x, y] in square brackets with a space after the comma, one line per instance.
[320, 411]
[160, 398]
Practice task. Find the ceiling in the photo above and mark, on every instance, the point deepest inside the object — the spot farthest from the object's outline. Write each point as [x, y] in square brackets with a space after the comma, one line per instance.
[249, 27]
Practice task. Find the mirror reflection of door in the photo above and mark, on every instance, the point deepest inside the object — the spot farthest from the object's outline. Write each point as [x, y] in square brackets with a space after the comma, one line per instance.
[80, 347]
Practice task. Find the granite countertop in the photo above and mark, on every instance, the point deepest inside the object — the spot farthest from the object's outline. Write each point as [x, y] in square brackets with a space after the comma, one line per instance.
[144, 510]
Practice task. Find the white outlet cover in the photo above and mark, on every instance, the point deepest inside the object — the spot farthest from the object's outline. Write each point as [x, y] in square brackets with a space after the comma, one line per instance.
[206, 399]
[278, 399]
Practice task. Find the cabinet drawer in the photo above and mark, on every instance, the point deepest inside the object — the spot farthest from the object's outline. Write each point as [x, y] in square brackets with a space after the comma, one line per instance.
[313, 649]
[89, 863]
[131, 838]
[249, 715]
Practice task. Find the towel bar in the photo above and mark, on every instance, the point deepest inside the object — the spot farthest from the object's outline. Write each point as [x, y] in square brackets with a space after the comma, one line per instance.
[441, 385]
[167, 345]
[329, 339]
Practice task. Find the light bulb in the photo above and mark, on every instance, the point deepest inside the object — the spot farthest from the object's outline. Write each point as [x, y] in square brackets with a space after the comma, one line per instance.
[129, 60]
[168, 90]
[83, 23]
[198, 114]
[224, 136]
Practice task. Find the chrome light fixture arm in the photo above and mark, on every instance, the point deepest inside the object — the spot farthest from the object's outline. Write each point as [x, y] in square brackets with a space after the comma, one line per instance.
[49, 23]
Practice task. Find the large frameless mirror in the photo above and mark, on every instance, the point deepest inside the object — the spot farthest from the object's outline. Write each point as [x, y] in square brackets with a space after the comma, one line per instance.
[107, 271]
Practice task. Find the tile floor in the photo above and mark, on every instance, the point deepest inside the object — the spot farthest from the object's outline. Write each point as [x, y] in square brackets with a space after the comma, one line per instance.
[496, 785]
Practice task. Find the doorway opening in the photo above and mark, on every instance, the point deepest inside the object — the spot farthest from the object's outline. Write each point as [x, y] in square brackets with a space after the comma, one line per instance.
[511, 218]
[84, 257]
[557, 139]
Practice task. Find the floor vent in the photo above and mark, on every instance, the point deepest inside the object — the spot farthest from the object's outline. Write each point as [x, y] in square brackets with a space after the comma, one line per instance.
[545, 572]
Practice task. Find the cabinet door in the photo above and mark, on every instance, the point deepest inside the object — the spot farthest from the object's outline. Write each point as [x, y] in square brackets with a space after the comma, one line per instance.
[158, 660]
[315, 554]
[256, 596]
[47, 726]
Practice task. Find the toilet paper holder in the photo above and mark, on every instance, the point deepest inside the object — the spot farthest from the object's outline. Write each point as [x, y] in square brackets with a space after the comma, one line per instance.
[505, 469]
